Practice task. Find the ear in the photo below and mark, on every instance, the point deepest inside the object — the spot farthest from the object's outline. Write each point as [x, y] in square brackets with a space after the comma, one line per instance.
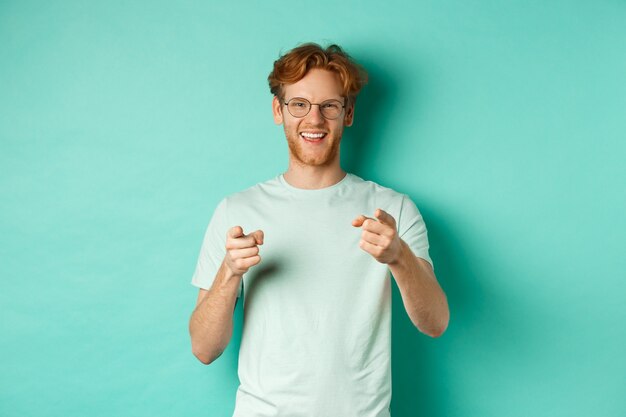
[277, 111]
[349, 117]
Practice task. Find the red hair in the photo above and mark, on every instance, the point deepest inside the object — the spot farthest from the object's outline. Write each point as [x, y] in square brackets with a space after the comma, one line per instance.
[295, 64]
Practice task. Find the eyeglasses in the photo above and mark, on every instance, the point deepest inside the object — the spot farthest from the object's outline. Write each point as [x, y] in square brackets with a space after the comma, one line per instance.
[300, 107]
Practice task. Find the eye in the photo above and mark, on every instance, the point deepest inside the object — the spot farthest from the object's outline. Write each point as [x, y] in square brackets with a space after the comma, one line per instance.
[298, 103]
[331, 105]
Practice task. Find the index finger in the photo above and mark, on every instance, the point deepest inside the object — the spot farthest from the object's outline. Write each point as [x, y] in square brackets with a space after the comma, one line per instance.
[235, 239]
[385, 217]
[235, 232]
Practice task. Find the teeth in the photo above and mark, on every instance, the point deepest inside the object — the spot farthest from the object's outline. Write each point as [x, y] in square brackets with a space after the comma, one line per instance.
[313, 135]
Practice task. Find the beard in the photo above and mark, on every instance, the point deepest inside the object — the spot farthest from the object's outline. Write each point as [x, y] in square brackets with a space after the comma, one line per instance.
[313, 157]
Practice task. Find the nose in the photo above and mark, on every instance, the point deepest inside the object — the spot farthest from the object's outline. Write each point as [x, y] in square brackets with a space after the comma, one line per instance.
[315, 115]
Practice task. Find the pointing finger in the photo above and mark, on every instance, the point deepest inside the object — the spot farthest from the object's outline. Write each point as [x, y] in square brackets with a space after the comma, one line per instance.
[259, 236]
[385, 217]
[235, 232]
[237, 240]
[373, 225]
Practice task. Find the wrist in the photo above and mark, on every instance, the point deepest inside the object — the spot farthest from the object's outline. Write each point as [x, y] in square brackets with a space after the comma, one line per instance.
[399, 261]
[229, 274]
[227, 280]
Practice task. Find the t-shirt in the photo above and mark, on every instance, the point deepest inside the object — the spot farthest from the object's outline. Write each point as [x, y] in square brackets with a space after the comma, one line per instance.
[316, 336]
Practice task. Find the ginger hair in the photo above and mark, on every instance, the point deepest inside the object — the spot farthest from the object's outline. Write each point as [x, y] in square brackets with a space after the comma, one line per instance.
[295, 64]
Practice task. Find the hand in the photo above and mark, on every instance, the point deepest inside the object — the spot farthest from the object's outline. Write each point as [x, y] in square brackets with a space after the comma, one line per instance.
[380, 237]
[242, 250]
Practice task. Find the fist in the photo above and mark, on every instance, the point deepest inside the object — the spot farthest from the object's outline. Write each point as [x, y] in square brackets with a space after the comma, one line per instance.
[242, 251]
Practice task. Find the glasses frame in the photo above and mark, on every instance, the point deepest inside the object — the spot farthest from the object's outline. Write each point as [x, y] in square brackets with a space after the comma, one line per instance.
[286, 103]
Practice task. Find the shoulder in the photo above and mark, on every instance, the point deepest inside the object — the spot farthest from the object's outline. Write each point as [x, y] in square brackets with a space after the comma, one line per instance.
[400, 205]
[381, 192]
[252, 193]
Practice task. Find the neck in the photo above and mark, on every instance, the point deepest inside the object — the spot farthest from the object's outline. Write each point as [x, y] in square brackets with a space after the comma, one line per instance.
[313, 177]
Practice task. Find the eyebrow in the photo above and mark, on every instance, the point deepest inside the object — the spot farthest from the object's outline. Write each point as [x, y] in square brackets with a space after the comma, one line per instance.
[338, 99]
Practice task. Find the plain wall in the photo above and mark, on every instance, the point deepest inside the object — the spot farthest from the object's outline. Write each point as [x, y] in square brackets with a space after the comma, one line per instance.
[122, 124]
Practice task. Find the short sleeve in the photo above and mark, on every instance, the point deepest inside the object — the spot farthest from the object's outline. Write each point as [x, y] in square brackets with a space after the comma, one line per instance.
[412, 229]
[213, 249]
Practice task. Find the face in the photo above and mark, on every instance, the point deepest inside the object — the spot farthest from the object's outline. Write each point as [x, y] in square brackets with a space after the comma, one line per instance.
[317, 86]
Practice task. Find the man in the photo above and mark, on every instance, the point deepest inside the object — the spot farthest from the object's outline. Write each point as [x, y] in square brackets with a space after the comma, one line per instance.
[316, 335]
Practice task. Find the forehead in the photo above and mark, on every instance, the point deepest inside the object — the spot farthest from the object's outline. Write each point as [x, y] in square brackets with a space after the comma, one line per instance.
[317, 84]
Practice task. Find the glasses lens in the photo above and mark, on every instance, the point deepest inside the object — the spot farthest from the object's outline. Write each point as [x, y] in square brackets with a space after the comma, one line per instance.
[331, 109]
[298, 107]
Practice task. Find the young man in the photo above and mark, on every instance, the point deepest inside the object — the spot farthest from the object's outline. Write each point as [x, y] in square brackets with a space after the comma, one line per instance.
[315, 263]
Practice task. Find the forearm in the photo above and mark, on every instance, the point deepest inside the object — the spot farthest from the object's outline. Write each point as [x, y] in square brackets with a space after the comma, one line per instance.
[211, 323]
[423, 298]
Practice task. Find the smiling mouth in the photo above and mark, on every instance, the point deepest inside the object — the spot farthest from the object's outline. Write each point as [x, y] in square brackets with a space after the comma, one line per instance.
[312, 137]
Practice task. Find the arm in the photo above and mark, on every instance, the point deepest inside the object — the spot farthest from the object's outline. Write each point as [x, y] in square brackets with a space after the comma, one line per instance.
[211, 323]
[423, 298]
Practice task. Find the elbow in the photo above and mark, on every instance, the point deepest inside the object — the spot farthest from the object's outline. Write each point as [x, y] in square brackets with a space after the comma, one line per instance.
[434, 332]
[441, 329]
[438, 329]
[204, 357]
[205, 354]
[202, 349]
[443, 322]
[438, 332]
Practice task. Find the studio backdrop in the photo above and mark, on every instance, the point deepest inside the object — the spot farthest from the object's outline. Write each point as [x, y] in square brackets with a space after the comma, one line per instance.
[123, 124]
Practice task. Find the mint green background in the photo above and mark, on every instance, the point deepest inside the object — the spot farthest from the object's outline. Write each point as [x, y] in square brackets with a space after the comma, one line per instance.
[123, 124]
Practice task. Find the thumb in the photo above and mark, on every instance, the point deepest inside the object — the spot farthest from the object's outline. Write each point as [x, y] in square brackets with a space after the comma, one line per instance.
[358, 222]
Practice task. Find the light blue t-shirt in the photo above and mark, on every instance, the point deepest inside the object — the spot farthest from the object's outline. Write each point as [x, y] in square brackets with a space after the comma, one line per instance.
[316, 338]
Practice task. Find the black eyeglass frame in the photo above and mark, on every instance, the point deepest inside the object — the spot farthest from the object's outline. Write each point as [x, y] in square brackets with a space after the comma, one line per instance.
[286, 103]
